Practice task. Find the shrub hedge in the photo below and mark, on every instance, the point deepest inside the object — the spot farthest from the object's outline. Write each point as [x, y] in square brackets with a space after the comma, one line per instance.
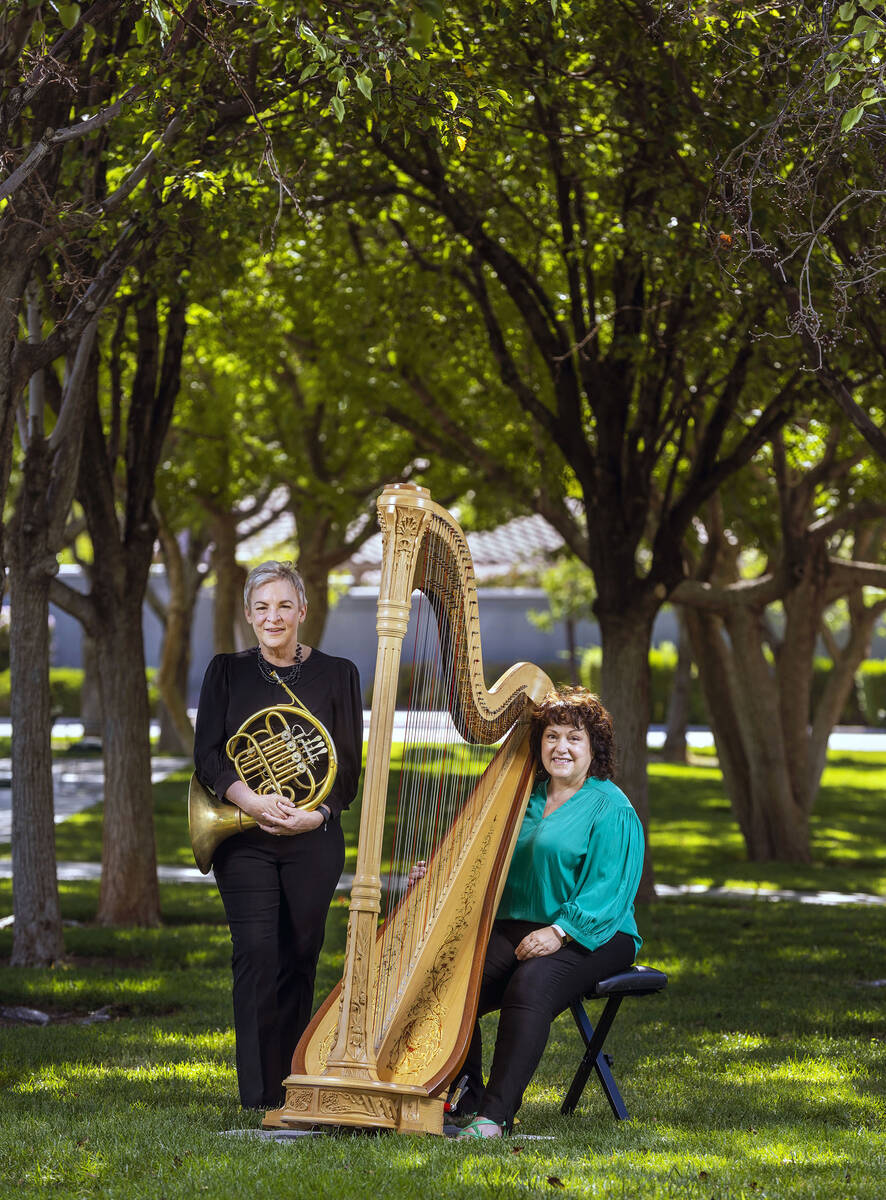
[64, 689]
[865, 706]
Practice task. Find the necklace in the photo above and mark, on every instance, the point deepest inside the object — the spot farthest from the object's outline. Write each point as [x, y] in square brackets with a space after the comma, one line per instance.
[284, 675]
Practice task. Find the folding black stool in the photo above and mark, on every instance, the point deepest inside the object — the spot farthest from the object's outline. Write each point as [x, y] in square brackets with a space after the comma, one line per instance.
[637, 981]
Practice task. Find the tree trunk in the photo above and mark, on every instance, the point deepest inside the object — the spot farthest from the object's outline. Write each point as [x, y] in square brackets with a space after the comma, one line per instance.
[90, 695]
[317, 591]
[37, 932]
[840, 684]
[129, 891]
[625, 637]
[227, 608]
[176, 731]
[572, 650]
[804, 606]
[777, 825]
[674, 750]
[123, 533]
[743, 703]
[712, 653]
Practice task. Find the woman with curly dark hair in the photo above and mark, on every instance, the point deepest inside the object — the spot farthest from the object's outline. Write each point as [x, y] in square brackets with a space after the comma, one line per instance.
[566, 917]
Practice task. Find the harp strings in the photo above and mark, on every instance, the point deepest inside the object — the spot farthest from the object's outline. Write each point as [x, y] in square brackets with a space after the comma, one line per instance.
[436, 803]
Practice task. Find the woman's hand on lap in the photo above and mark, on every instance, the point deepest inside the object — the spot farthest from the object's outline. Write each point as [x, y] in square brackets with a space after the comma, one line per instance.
[539, 943]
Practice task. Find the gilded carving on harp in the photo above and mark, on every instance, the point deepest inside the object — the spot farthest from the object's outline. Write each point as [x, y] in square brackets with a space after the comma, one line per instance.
[384, 1045]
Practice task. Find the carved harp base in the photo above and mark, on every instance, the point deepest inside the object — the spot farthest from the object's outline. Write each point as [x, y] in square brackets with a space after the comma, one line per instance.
[356, 1104]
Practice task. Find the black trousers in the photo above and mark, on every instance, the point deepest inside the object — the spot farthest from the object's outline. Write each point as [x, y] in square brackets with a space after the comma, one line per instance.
[276, 892]
[530, 993]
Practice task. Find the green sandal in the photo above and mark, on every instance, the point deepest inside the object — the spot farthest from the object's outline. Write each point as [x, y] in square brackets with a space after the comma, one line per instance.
[474, 1129]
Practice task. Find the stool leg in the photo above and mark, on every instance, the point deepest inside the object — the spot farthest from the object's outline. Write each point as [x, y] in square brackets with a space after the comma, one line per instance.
[594, 1059]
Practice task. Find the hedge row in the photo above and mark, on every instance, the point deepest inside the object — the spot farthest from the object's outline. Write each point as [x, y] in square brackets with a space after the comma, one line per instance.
[866, 707]
[64, 690]
[65, 684]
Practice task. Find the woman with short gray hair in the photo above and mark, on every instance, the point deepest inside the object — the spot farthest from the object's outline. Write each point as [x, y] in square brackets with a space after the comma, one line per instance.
[277, 879]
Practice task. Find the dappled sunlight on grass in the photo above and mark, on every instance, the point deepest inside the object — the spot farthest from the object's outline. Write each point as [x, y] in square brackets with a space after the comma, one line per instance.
[758, 1072]
[695, 838]
[217, 1042]
[199, 1072]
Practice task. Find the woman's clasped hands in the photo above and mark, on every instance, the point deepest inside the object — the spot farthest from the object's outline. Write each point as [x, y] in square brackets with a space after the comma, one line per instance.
[280, 816]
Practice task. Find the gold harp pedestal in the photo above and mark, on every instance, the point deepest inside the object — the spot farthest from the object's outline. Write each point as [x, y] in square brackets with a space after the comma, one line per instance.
[357, 1066]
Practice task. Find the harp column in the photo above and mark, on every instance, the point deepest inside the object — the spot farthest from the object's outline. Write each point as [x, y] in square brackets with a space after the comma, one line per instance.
[403, 520]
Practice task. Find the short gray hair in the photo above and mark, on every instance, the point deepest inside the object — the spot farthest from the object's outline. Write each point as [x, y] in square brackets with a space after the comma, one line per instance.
[266, 572]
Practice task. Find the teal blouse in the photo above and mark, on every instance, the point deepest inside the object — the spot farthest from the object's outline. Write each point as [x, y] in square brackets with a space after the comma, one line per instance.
[580, 867]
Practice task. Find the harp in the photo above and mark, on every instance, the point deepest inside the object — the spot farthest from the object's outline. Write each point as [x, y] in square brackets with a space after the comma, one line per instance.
[384, 1046]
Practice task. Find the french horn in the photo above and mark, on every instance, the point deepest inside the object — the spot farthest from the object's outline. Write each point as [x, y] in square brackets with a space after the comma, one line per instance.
[283, 750]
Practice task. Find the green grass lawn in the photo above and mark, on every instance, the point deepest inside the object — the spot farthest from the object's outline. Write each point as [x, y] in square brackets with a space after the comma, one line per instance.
[759, 1072]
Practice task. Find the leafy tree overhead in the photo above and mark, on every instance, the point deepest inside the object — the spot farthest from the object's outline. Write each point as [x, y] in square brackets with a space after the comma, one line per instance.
[800, 194]
[112, 117]
[271, 370]
[607, 377]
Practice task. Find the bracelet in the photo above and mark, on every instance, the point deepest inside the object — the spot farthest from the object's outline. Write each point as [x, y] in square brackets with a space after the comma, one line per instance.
[326, 812]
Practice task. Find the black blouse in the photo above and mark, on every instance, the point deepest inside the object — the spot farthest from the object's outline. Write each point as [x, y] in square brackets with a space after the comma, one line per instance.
[234, 689]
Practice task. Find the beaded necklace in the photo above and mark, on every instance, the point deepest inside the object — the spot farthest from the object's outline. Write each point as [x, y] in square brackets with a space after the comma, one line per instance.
[284, 675]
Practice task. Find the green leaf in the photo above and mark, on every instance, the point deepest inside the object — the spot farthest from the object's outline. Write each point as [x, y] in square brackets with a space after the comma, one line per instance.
[364, 83]
[832, 80]
[69, 15]
[422, 27]
[142, 29]
[847, 11]
[88, 37]
[338, 108]
[868, 92]
[309, 70]
[871, 38]
[851, 118]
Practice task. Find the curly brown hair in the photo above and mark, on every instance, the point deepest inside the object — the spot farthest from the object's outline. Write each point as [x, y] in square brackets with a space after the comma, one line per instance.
[580, 708]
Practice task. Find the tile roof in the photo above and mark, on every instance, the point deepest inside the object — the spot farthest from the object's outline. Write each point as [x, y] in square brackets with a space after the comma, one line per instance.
[524, 543]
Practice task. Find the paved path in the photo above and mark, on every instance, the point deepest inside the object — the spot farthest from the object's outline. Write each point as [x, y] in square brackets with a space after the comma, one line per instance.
[78, 783]
[89, 870]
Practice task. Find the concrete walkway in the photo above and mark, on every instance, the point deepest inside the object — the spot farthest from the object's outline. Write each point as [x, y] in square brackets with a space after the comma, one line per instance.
[69, 871]
[77, 783]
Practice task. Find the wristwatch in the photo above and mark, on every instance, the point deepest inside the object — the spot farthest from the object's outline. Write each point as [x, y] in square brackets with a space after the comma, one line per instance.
[326, 813]
[564, 936]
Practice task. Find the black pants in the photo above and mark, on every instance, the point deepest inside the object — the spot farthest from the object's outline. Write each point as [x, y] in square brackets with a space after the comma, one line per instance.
[276, 893]
[530, 993]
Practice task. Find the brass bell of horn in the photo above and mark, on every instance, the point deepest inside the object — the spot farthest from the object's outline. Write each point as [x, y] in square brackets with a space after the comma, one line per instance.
[210, 821]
